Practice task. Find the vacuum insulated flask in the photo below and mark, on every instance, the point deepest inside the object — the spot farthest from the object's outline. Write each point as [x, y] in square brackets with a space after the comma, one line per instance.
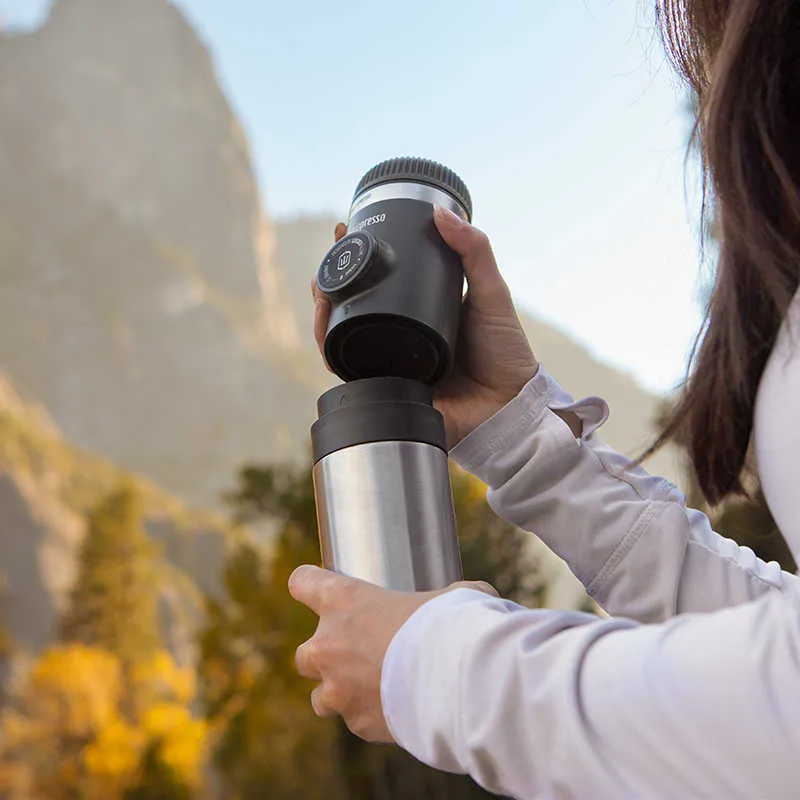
[394, 285]
[382, 486]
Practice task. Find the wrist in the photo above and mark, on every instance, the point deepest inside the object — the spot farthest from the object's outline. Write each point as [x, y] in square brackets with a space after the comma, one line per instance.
[498, 398]
[482, 406]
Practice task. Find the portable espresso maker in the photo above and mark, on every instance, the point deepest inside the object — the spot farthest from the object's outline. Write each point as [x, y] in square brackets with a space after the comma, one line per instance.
[381, 480]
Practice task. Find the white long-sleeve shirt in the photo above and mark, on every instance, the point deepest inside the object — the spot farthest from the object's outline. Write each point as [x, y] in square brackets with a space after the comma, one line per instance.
[691, 690]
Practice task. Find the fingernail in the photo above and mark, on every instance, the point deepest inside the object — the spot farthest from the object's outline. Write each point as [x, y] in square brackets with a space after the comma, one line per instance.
[446, 214]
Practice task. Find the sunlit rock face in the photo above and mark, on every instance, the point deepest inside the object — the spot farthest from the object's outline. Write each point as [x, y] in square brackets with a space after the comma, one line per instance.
[139, 298]
[144, 299]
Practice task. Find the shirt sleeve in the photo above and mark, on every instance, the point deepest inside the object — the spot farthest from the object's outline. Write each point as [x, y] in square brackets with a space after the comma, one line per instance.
[548, 704]
[626, 535]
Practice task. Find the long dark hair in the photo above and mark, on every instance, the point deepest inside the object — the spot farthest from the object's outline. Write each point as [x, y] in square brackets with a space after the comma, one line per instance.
[742, 59]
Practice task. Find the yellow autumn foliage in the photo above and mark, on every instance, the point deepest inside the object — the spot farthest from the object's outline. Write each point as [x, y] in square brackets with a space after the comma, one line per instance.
[475, 490]
[182, 738]
[116, 751]
[78, 686]
[161, 677]
[81, 725]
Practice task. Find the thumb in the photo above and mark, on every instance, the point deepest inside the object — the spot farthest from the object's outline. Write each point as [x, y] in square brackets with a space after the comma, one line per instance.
[488, 291]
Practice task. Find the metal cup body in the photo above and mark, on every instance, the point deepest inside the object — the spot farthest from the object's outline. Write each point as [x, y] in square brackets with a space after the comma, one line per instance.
[385, 515]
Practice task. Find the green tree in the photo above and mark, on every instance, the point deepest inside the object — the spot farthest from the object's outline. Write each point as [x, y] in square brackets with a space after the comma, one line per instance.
[114, 602]
[113, 609]
[267, 735]
[267, 739]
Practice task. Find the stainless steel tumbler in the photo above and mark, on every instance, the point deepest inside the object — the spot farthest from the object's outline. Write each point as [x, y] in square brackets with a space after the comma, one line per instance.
[382, 486]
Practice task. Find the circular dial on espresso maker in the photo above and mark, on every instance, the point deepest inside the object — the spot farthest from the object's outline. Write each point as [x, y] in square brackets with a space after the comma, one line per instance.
[347, 262]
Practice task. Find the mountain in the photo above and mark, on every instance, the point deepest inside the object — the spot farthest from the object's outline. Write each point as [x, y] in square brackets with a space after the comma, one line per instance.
[150, 313]
[140, 301]
[146, 302]
[631, 425]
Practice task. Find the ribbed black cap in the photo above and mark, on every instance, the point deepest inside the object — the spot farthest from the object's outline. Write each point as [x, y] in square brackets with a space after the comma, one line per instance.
[421, 170]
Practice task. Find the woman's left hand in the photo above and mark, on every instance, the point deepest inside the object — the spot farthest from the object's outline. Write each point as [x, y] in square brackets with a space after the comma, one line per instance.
[357, 621]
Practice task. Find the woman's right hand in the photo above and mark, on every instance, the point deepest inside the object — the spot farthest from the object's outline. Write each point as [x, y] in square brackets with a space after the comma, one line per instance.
[493, 357]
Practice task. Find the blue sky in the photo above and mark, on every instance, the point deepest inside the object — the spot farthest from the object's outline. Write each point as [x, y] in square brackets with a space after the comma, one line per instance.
[562, 117]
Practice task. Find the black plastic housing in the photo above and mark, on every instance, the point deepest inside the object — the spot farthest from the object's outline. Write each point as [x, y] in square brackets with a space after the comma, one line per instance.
[401, 318]
[376, 410]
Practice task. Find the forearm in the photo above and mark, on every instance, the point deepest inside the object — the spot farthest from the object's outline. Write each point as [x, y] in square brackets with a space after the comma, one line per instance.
[543, 704]
[626, 535]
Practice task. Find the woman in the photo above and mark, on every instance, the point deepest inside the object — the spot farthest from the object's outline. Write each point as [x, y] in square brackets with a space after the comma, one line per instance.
[692, 689]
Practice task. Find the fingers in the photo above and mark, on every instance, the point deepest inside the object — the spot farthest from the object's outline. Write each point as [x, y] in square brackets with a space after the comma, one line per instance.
[305, 659]
[487, 289]
[307, 584]
[321, 589]
[319, 702]
[478, 586]
[322, 305]
[322, 313]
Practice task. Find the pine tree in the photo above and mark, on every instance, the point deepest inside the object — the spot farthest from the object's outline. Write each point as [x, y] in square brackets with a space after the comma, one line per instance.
[107, 713]
[114, 603]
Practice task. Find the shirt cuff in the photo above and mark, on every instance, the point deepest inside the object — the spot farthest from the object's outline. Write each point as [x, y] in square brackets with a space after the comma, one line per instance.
[542, 395]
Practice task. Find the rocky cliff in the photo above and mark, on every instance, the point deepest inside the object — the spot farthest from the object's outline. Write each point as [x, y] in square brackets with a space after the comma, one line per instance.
[146, 303]
[150, 308]
[140, 299]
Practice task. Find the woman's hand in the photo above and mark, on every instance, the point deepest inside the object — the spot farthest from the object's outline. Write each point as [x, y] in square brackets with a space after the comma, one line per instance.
[493, 358]
[357, 621]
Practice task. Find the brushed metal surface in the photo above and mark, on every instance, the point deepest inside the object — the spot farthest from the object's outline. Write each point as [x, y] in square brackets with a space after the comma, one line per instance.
[405, 190]
[385, 512]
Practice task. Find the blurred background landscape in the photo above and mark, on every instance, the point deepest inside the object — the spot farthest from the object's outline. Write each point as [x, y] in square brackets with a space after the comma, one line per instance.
[158, 378]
